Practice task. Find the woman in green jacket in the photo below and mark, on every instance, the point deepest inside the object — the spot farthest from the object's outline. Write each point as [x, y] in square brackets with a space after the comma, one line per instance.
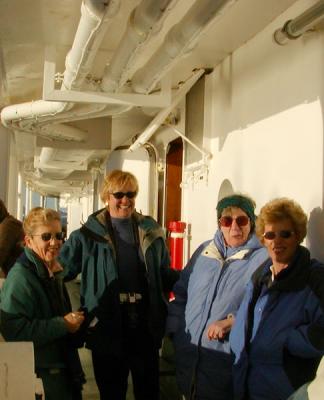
[126, 272]
[35, 307]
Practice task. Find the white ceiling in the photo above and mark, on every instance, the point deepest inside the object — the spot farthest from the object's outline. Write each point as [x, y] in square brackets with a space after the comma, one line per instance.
[27, 27]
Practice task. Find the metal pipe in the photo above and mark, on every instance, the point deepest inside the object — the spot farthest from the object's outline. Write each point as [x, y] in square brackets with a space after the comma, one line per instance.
[143, 21]
[179, 41]
[294, 28]
[161, 116]
[153, 153]
[94, 22]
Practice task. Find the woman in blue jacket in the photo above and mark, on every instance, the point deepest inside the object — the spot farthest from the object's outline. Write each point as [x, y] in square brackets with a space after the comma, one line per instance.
[207, 297]
[278, 335]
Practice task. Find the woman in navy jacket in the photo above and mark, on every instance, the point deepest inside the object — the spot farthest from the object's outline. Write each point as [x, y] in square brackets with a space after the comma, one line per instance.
[278, 335]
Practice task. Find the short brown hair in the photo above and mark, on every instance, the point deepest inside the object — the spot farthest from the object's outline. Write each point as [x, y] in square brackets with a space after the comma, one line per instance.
[115, 180]
[39, 216]
[278, 210]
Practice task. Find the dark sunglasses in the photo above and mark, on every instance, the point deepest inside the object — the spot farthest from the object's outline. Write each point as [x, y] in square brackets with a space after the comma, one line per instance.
[227, 221]
[120, 195]
[47, 236]
[270, 235]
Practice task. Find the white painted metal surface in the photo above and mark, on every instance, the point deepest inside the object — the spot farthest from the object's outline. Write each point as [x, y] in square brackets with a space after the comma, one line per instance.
[17, 377]
[105, 46]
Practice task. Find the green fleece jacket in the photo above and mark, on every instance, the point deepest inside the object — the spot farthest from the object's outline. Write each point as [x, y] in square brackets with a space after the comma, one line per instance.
[26, 313]
[90, 251]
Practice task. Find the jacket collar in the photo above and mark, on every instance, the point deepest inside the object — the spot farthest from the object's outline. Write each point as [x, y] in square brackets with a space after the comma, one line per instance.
[293, 278]
[212, 251]
[30, 260]
[149, 230]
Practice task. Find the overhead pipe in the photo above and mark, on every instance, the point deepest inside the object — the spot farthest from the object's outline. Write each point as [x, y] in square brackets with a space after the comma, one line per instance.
[46, 155]
[78, 112]
[95, 17]
[142, 22]
[62, 132]
[179, 41]
[153, 153]
[55, 174]
[161, 116]
[294, 28]
[48, 158]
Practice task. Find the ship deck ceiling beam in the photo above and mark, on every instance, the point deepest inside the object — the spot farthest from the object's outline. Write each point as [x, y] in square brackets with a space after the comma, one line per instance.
[143, 100]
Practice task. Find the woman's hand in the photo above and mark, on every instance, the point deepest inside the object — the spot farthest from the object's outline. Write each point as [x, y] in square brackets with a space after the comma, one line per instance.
[219, 329]
[55, 266]
[73, 321]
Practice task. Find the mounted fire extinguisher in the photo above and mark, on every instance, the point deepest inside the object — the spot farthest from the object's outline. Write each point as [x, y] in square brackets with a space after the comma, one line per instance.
[176, 236]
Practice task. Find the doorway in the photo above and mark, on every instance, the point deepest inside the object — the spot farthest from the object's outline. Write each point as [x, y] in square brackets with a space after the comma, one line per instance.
[173, 181]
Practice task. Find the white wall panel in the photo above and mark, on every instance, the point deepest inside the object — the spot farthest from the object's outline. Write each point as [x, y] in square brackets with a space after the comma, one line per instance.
[264, 126]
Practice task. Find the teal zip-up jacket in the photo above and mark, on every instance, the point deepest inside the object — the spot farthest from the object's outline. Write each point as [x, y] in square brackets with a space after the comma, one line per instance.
[26, 313]
[90, 251]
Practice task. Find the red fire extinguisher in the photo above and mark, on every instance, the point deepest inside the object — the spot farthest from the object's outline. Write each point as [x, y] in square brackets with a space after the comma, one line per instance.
[176, 236]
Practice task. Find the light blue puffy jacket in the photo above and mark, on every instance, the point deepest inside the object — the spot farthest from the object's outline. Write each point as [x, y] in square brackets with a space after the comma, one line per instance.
[210, 287]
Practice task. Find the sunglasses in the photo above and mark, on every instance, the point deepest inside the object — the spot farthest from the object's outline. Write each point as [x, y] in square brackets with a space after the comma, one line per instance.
[227, 221]
[47, 236]
[120, 195]
[270, 235]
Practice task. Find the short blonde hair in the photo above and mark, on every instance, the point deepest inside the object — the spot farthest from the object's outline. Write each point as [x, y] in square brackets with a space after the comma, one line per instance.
[116, 180]
[278, 210]
[39, 216]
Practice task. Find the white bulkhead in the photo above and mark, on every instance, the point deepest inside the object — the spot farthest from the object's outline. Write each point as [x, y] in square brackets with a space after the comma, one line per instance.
[197, 98]
[88, 86]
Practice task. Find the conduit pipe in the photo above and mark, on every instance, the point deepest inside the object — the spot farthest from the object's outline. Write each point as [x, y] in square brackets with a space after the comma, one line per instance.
[179, 41]
[61, 132]
[48, 158]
[145, 18]
[95, 16]
[55, 174]
[77, 112]
[46, 155]
[161, 116]
[294, 28]
[92, 27]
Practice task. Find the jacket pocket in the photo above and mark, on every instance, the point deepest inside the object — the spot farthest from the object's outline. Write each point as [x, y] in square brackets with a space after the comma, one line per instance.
[299, 370]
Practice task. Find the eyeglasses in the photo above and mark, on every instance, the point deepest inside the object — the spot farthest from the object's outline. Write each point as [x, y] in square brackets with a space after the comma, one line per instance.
[120, 195]
[47, 236]
[227, 221]
[270, 235]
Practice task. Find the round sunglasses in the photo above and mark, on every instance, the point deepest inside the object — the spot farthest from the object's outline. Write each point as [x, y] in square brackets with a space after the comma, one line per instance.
[120, 195]
[270, 235]
[47, 236]
[227, 220]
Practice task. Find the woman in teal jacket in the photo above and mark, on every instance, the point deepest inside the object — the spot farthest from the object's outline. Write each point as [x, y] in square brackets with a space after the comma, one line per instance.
[35, 307]
[125, 275]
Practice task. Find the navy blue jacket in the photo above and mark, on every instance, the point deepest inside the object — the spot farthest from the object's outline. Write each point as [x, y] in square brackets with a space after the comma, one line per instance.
[278, 335]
